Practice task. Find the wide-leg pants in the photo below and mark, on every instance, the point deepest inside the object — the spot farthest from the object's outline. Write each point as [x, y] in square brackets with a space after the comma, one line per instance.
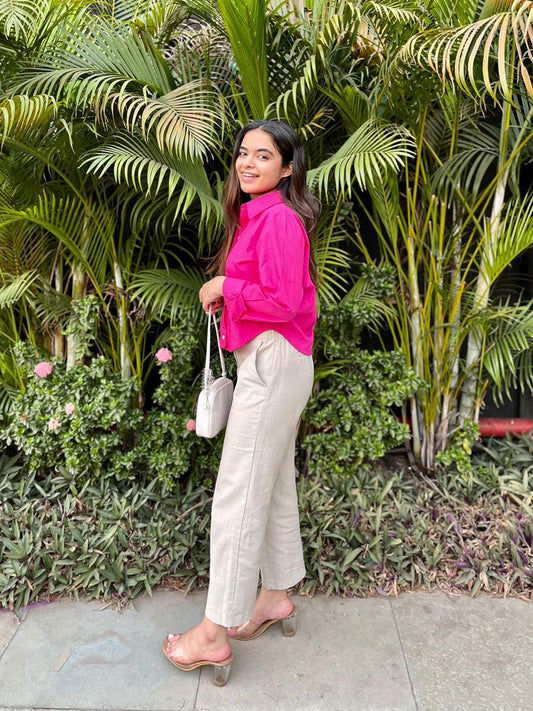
[255, 522]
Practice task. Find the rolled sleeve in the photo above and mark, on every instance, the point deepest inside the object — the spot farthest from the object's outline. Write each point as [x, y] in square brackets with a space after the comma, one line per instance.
[233, 301]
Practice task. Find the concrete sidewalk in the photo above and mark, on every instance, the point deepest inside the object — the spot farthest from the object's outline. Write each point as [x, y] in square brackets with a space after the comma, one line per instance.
[419, 652]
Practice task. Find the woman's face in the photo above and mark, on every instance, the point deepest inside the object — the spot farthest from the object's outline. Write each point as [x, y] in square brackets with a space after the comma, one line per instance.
[259, 164]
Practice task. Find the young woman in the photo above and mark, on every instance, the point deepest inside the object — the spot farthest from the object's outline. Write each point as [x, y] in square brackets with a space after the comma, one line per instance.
[266, 288]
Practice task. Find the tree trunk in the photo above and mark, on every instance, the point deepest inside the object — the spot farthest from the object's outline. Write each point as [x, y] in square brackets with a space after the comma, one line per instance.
[125, 362]
[58, 345]
[73, 345]
[418, 425]
[470, 405]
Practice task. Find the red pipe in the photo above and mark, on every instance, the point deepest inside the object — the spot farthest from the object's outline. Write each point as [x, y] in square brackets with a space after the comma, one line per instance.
[500, 426]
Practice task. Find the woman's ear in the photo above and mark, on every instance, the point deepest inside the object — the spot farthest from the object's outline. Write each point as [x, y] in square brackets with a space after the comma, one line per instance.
[287, 170]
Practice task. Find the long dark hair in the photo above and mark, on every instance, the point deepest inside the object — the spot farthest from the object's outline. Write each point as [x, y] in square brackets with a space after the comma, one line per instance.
[293, 189]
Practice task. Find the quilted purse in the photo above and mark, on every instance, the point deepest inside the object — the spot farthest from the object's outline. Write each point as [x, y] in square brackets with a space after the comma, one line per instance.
[214, 400]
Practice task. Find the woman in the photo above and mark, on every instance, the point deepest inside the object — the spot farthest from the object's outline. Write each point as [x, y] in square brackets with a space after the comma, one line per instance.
[269, 311]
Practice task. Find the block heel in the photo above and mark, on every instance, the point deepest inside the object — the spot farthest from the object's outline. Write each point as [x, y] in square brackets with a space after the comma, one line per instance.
[288, 624]
[221, 674]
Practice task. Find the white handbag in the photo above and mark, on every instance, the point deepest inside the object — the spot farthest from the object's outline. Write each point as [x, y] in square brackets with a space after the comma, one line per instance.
[214, 401]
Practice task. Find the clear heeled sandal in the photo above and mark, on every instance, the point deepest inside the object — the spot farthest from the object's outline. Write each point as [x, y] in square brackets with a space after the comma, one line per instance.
[221, 669]
[288, 626]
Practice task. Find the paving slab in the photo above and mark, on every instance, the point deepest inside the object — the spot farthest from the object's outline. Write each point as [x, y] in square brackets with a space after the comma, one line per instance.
[9, 624]
[420, 652]
[77, 655]
[467, 654]
[346, 656]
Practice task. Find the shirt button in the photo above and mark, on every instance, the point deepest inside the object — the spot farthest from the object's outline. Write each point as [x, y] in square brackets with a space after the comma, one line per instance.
[223, 337]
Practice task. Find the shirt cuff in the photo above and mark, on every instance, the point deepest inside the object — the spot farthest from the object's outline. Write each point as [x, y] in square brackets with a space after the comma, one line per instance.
[233, 301]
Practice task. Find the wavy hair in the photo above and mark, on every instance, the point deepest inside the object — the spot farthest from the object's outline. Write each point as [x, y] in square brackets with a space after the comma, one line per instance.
[293, 189]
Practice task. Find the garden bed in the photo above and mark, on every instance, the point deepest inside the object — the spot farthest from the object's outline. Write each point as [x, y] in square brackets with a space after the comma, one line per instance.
[380, 530]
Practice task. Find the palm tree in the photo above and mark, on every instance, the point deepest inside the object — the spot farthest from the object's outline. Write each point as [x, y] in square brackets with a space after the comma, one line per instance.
[118, 119]
[462, 219]
[492, 55]
[115, 141]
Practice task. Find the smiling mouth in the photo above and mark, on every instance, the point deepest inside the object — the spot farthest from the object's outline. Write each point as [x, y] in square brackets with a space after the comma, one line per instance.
[249, 175]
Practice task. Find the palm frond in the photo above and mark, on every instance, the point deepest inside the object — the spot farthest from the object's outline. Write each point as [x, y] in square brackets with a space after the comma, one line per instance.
[337, 22]
[478, 54]
[84, 228]
[6, 400]
[385, 195]
[509, 347]
[175, 236]
[372, 149]
[18, 18]
[24, 249]
[19, 178]
[447, 13]
[307, 81]
[515, 236]
[147, 169]
[478, 152]
[394, 11]
[168, 292]
[245, 23]
[364, 294]
[52, 308]
[123, 11]
[183, 122]
[26, 117]
[96, 62]
[351, 103]
[164, 19]
[12, 291]
[333, 263]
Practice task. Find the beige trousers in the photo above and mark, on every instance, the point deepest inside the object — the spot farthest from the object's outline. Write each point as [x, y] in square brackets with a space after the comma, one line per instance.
[254, 522]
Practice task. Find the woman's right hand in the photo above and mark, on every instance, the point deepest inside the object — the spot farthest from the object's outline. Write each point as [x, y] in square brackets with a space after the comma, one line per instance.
[211, 294]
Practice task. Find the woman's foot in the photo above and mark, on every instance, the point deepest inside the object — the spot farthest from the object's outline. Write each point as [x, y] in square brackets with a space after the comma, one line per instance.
[270, 607]
[205, 642]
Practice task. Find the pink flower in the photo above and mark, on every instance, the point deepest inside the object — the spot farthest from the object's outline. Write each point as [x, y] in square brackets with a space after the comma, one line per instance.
[53, 424]
[191, 425]
[69, 408]
[163, 355]
[42, 369]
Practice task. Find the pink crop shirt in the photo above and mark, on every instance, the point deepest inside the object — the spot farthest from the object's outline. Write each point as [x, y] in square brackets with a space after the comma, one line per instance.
[267, 285]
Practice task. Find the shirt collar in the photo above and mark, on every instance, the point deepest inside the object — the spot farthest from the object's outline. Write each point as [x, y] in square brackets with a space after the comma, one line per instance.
[253, 207]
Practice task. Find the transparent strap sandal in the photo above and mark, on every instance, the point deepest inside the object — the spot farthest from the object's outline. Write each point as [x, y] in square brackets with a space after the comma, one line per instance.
[288, 625]
[221, 669]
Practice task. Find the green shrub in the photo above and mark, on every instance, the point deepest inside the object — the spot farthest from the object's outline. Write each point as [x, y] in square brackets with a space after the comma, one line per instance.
[111, 542]
[166, 448]
[85, 423]
[375, 531]
[499, 467]
[79, 421]
[384, 532]
[350, 418]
